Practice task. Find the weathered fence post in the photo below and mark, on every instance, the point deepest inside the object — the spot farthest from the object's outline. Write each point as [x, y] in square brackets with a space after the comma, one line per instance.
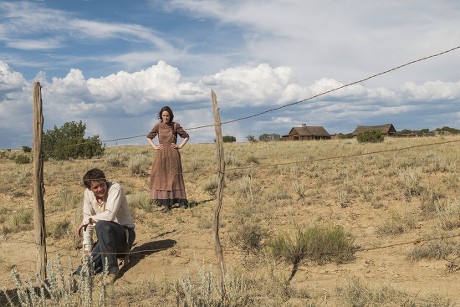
[220, 189]
[38, 188]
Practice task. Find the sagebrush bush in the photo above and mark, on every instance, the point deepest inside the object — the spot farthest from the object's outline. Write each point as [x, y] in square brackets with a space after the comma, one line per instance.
[26, 149]
[59, 229]
[320, 244]
[141, 201]
[211, 185]
[249, 236]
[356, 293]
[397, 224]
[207, 289]
[22, 159]
[116, 160]
[448, 213]
[58, 289]
[139, 165]
[437, 249]
[253, 160]
[21, 220]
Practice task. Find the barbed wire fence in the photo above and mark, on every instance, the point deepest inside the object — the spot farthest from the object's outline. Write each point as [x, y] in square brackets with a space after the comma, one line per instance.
[316, 159]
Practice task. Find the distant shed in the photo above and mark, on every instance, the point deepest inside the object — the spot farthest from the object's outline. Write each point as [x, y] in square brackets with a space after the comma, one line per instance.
[387, 129]
[307, 133]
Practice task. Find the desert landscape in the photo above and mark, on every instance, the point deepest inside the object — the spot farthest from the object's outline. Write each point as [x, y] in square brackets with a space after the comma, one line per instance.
[397, 202]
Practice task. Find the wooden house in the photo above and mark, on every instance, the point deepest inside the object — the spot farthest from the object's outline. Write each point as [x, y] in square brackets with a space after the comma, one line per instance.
[306, 133]
[387, 129]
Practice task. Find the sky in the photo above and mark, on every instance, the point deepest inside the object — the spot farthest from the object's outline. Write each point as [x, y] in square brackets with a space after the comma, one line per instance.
[113, 64]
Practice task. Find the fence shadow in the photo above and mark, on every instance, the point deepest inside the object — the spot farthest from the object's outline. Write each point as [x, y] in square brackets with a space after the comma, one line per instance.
[140, 252]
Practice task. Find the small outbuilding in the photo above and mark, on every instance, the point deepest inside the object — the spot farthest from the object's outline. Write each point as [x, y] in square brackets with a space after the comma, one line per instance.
[387, 129]
[307, 133]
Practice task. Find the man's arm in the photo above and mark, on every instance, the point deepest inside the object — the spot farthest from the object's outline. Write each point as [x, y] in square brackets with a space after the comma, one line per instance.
[86, 227]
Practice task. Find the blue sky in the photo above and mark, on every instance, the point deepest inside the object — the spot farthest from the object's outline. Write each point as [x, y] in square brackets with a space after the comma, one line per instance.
[114, 64]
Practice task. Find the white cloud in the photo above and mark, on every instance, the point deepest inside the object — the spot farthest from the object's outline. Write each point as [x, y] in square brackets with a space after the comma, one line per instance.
[255, 86]
[34, 44]
[10, 80]
[121, 96]
[104, 30]
[432, 90]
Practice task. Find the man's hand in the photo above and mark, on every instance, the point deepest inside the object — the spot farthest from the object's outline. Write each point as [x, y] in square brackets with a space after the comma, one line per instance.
[80, 228]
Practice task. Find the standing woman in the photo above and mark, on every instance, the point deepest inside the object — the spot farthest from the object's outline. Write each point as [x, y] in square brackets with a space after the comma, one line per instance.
[166, 182]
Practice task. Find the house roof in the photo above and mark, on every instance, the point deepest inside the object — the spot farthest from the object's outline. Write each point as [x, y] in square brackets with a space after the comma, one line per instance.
[309, 131]
[385, 129]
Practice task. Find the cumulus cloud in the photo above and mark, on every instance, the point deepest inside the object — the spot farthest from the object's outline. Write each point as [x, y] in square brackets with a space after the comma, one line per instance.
[432, 90]
[255, 86]
[10, 80]
[123, 98]
[15, 103]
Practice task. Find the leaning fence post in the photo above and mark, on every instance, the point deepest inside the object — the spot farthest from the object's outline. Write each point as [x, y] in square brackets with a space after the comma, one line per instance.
[220, 190]
[38, 186]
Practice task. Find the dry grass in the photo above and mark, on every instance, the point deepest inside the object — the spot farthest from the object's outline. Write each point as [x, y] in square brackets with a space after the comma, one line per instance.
[380, 199]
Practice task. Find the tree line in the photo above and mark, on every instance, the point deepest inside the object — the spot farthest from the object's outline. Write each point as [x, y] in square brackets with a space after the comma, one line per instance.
[69, 141]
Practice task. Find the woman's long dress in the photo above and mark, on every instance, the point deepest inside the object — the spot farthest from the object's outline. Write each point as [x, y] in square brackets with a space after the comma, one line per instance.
[166, 182]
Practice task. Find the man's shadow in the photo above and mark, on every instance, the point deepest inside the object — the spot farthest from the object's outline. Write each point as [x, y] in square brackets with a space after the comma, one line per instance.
[140, 252]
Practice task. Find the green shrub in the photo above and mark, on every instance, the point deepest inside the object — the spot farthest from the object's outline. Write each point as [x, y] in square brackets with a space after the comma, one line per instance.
[60, 229]
[139, 165]
[141, 201]
[22, 159]
[21, 220]
[373, 136]
[68, 142]
[212, 185]
[253, 160]
[248, 236]
[317, 244]
[116, 160]
[438, 249]
[397, 224]
[228, 139]
[356, 293]
[26, 149]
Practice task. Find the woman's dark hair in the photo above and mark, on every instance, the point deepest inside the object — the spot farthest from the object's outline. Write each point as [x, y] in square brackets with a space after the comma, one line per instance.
[94, 174]
[167, 109]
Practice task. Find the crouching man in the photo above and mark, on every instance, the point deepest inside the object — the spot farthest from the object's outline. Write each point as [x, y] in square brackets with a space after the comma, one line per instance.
[105, 209]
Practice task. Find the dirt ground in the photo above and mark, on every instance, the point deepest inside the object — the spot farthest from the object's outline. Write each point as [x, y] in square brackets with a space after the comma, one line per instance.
[168, 245]
[181, 248]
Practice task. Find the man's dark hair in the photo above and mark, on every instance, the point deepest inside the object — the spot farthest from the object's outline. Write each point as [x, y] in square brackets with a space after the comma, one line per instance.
[94, 174]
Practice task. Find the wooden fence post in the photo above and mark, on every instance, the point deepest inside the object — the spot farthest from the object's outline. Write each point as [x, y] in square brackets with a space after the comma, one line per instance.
[38, 188]
[220, 189]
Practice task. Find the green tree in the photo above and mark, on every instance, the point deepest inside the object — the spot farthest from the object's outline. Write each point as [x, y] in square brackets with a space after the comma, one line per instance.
[448, 130]
[425, 131]
[373, 136]
[269, 137]
[68, 142]
[251, 138]
[406, 131]
[228, 139]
